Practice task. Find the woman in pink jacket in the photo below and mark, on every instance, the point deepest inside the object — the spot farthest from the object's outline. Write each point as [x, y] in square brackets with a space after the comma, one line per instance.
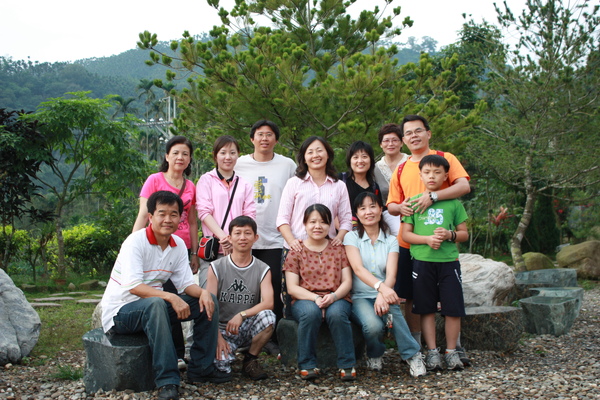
[213, 192]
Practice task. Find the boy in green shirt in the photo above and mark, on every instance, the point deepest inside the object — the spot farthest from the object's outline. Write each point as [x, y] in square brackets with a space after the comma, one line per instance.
[433, 235]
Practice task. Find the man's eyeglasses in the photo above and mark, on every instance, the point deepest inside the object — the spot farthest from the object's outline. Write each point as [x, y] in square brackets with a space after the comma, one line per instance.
[265, 135]
[417, 131]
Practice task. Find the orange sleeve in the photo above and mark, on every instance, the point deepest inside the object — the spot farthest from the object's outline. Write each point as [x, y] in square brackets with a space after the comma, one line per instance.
[394, 195]
[456, 169]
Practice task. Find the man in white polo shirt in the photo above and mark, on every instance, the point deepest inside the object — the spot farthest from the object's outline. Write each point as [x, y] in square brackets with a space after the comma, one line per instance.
[134, 300]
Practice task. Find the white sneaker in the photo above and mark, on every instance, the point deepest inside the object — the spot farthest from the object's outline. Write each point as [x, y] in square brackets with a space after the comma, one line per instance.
[181, 364]
[416, 364]
[375, 363]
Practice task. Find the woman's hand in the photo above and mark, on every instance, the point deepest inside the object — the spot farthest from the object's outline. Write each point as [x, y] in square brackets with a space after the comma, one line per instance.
[381, 305]
[194, 263]
[325, 301]
[296, 245]
[226, 245]
[388, 294]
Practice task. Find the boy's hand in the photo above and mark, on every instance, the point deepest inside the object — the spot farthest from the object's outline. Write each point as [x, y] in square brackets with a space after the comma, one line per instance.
[434, 241]
[443, 233]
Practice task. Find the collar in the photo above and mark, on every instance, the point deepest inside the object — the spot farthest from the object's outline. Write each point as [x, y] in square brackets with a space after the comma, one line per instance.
[152, 238]
[308, 176]
[380, 238]
[221, 177]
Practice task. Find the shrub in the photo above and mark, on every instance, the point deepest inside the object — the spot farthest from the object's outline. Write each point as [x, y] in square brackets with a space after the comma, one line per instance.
[90, 249]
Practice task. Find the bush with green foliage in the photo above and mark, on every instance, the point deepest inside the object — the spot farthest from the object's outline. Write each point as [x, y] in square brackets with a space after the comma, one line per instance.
[90, 249]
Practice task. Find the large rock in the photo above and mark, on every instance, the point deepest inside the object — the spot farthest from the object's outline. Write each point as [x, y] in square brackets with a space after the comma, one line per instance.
[583, 257]
[287, 336]
[556, 277]
[118, 362]
[485, 282]
[97, 317]
[574, 292]
[535, 261]
[487, 328]
[19, 323]
[549, 315]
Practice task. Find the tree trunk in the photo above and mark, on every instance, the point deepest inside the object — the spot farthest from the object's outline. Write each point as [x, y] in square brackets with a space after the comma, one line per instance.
[517, 238]
[61, 267]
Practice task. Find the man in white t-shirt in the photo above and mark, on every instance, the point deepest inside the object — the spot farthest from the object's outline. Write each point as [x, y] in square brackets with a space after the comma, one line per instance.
[268, 172]
[134, 299]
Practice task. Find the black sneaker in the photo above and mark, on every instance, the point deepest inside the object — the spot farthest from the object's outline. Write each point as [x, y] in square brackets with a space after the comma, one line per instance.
[216, 376]
[168, 392]
[253, 370]
[463, 356]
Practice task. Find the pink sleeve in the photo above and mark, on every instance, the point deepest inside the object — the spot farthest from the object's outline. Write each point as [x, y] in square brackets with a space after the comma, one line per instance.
[204, 203]
[286, 205]
[345, 211]
[149, 187]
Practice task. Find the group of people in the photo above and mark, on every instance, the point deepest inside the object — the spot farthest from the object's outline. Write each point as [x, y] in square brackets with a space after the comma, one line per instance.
[296, 240]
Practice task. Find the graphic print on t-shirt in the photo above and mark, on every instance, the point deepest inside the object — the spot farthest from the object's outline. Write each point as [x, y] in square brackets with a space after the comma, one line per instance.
[237, 293]
[260, 190]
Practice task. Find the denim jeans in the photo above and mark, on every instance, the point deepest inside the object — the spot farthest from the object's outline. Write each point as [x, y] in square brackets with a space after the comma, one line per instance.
[363, 313]
[154, 316]
[309, 317]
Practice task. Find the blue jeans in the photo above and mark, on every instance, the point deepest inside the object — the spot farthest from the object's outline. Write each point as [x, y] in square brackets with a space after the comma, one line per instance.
[154, 316]
[309, 317]
[363, 313]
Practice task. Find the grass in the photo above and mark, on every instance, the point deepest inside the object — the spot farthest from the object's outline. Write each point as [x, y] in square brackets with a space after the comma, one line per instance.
[62, 327]
[587, 284]
[68, 373]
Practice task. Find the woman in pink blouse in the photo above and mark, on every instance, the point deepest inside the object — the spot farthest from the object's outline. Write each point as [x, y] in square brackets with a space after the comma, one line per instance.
[213, 192]
[316, 181]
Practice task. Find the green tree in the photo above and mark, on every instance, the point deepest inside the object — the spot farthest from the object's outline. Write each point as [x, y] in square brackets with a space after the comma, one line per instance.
[544, 107]
[315, 71]
[93, 154]
[23, 151]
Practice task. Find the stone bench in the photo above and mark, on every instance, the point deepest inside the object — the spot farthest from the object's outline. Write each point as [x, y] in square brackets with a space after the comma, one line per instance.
[492, 328]
[555, 277]
[287, 336]
[549, 315]
[117, 362]
[574, 292]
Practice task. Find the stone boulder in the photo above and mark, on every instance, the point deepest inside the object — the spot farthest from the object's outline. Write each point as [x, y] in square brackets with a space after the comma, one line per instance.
[19, 323]
[89, 285]
[97, 317]
[485, 282]
[535, 261]
[555, 277]
[583, 257]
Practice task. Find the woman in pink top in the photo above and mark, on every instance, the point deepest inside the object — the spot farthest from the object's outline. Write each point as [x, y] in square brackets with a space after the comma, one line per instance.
[315, 182]
[175, 165]
[213, 191]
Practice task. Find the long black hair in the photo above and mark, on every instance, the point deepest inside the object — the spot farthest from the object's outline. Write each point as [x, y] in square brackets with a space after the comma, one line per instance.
[360, 199]
[302, 169]
[164, 167]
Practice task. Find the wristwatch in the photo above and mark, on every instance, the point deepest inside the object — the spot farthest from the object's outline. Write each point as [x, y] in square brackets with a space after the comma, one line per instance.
[243, 314]
[377, 284]
[433, 196]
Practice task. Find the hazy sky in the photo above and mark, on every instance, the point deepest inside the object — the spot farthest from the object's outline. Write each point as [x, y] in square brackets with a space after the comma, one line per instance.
[68, 30]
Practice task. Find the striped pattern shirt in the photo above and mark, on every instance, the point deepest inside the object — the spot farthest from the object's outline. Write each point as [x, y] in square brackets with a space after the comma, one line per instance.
[299, 194]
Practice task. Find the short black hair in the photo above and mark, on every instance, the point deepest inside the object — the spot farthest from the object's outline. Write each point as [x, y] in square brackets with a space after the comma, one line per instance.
[435, 160]
[242, 221]
[356, 147]
[375, 199]
[163, 197]
[265, 122]
[390, 128]
[223, 141]
[413, 117]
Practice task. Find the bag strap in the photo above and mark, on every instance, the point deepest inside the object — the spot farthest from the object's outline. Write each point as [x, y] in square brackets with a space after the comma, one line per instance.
[182, 187]
[230, 201]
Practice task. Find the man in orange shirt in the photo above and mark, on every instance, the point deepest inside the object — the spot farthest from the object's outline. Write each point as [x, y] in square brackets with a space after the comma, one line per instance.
[416, 136]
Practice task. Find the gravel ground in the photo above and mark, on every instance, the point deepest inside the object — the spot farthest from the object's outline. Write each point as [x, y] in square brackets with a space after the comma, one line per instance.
[544, 367]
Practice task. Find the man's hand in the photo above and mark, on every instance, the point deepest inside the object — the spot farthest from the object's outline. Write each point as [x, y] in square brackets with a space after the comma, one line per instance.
[223, 349]
[405, 208]
[233, 326]
[181, 308]
[206, 304]
[422, 203]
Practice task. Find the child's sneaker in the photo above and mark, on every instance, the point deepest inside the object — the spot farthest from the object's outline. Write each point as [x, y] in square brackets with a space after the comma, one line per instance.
[433, 360]
[348, 374]
[416, 364]
[375, 363]
[452, 360]
[308, 374]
